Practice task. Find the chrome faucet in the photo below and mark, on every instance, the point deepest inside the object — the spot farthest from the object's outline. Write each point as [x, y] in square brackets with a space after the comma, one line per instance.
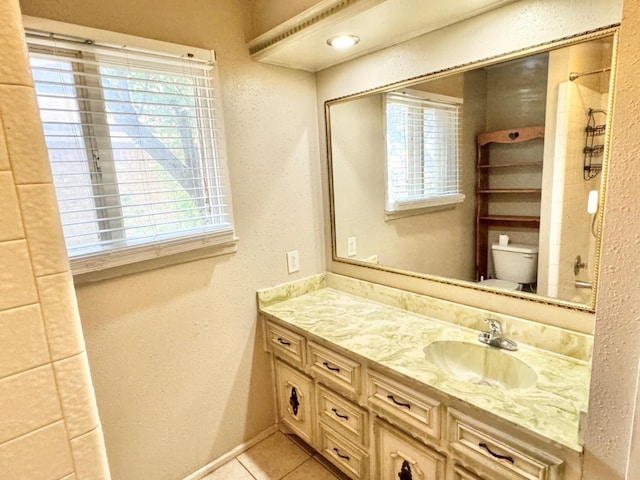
[493, 337]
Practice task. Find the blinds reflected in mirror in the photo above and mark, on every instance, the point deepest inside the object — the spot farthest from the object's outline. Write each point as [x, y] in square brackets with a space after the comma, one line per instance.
[422, 136]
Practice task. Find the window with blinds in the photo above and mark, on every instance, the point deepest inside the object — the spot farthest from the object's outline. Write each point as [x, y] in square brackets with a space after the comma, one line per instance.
[422, 136]
[135, 150]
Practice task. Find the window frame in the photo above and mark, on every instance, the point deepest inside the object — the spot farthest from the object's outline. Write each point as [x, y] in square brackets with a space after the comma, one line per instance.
[176, 249]
[400, 207]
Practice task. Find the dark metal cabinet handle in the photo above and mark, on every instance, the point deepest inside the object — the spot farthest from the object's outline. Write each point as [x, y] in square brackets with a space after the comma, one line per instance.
[283, 342]
[333, 369]
[293, 401]
[390, 397]
[405, 472]
[501, 457]
[345, 417]
[345, 457]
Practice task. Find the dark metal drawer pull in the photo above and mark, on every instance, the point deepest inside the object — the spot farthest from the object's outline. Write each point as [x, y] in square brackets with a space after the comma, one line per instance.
[333, 369]
[339, 415]
[390, 397]
[501, 457]
[284, 342]
[345, 457]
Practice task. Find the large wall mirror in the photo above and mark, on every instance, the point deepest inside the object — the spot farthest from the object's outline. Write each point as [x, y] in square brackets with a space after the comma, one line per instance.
[491, 176]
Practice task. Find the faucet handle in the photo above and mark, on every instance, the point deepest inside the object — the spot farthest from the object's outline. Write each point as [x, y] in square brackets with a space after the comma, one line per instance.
[494, 326]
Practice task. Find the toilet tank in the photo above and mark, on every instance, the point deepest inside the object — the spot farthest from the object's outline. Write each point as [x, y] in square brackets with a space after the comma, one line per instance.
[515, 262]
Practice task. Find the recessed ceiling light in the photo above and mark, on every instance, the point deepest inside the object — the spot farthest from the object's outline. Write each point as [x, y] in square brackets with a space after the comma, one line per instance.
[343, 41]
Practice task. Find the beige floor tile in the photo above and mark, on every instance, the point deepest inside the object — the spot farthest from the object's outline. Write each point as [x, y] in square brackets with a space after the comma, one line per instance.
[229, 471]
[273, 458]
[310, 470]
[302, 444]
[331, 467]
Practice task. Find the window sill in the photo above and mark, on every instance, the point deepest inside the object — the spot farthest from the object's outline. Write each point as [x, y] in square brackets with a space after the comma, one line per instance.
[149, 257]
[422, 206]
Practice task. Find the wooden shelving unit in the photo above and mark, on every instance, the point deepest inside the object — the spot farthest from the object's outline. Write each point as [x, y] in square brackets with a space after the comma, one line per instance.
[486, 194]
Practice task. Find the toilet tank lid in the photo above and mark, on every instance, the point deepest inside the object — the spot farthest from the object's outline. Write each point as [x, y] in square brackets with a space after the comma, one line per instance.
[516, 247]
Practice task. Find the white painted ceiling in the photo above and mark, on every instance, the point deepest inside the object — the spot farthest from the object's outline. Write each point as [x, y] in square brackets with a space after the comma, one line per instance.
[378, 23]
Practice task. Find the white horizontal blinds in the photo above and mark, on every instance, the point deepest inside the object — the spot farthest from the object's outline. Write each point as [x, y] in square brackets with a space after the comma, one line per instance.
[132, 144]
[422, 148]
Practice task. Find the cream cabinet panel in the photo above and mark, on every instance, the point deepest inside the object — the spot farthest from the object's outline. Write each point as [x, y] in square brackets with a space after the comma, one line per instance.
[400, 457]
[295, 400]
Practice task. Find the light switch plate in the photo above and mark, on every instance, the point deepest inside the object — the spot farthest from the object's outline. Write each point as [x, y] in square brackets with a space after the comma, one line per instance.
[351, 247]
[293, 261]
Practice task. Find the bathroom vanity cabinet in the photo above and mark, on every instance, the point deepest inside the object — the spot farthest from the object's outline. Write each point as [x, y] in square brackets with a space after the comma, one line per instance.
[506, 196]
[376, 423]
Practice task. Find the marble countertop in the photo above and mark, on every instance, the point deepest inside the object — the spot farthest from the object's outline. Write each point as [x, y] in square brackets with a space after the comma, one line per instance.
[395, 338]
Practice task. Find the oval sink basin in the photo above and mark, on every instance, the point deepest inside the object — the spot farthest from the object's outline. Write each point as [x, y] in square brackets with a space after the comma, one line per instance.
[480, 364]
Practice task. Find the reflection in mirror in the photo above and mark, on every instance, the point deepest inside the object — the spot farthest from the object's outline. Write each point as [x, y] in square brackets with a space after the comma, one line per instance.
[483, 175]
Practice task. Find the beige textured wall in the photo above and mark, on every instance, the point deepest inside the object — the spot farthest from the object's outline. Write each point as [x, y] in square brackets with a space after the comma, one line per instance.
[178, 367]
[617, 336]
[50, 427]
[633, 467]
[267, 14]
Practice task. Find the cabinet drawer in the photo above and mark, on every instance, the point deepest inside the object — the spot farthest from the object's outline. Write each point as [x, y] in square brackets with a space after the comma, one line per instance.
[295, 402]
[343, 454]
[335, 370]
[342, 415]
[398, 456]
[404, 406]
[286, 344]
[506, 456]
[460, 473]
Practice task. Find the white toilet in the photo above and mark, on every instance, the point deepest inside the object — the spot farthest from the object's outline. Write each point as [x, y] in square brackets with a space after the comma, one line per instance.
[514, 265]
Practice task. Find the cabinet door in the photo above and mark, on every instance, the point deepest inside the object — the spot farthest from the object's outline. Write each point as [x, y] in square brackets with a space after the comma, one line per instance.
[295, 401]
[402, 458]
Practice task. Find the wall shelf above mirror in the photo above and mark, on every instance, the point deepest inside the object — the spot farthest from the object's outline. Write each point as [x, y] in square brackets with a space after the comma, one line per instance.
[527, 190]
[301, 41]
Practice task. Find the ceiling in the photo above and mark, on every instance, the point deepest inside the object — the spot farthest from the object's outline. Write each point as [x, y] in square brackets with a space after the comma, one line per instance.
[301, 42]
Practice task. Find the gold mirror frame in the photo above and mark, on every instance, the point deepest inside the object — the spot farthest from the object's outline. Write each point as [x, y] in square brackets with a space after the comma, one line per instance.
[514, 55]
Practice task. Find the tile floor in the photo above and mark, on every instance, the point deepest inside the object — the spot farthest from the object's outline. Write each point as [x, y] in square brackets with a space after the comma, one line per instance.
[277, 457]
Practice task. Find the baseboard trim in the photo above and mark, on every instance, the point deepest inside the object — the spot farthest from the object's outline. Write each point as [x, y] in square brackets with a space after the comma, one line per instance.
[231, 454]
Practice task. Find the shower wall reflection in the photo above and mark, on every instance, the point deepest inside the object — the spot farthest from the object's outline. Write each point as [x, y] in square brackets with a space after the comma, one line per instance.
[566, 227]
